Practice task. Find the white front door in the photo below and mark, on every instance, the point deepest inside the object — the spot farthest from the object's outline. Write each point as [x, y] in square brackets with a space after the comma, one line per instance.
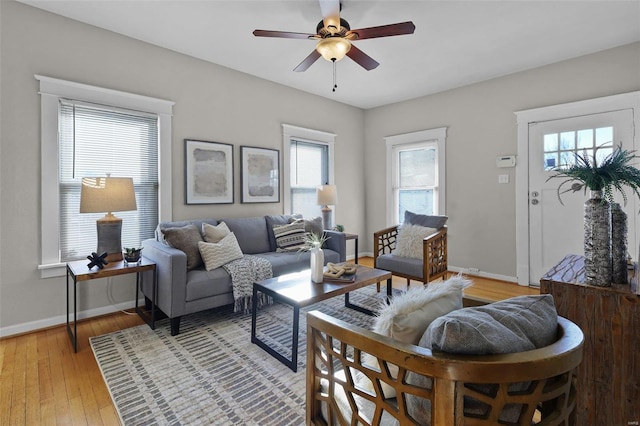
[556, 230]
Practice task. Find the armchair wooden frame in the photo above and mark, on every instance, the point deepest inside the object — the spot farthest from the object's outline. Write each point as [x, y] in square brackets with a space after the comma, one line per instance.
[334, 345]
[434, 250]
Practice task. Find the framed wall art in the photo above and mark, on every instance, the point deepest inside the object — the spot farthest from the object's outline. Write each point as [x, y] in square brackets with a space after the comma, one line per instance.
[260, 174]
[209, 172]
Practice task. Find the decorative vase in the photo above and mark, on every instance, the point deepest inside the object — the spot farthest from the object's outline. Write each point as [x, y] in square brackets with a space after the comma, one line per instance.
[619, 249]
[317, 264]
[597, 240]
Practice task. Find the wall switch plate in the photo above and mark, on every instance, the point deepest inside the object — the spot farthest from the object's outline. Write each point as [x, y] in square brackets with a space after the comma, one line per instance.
[503, 179]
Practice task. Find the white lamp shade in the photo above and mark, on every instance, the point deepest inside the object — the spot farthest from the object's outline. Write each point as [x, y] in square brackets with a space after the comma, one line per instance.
[327, 195]
[107, 194]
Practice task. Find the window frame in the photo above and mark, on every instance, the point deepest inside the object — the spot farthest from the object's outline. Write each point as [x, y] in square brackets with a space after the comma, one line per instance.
[300, 134]
[51, 90]
[420, 139]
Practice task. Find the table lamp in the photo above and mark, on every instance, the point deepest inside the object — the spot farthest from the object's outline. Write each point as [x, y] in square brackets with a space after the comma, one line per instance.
[326, 195]
[107, 195]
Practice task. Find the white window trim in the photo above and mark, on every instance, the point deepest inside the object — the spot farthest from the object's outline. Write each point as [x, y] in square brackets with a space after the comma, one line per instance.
[290, 133]
[51, 89]
[437, 136]
[524, 119]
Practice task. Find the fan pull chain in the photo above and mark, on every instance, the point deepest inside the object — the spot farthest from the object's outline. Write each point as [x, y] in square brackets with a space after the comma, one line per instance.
[335, 85]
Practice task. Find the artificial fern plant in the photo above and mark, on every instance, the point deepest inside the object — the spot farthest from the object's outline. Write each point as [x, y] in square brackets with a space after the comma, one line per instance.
[614, 172]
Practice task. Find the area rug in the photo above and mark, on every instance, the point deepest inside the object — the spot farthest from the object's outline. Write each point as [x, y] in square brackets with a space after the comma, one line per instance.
[211, 373]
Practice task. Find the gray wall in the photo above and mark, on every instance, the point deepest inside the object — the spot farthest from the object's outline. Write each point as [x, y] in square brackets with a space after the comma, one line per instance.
[217, 104]
[481, 126]
[211, 103]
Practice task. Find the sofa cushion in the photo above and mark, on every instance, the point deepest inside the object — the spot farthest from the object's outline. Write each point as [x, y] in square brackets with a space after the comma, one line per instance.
[410, 240]
[289, 237]
[286, 263]
[185, 238]
[425, 220]
[405, 265]
[202, 284]
[518, 324]
[215, 255]
[213, 234]
[251, 233]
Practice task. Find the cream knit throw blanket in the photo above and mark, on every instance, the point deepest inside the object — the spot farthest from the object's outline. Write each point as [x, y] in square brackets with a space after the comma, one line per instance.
[244, 272]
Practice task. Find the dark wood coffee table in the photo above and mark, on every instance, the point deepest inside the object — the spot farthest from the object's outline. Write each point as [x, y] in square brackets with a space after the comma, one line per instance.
[298, 291]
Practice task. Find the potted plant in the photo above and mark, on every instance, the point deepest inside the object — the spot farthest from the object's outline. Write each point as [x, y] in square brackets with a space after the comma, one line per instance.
[132, 254]
[614, 172]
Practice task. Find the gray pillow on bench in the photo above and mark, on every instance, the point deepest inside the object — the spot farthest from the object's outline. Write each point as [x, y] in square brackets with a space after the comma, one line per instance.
[514, 325]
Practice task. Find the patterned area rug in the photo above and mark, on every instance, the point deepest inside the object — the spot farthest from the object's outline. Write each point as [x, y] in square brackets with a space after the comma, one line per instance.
[211, 373]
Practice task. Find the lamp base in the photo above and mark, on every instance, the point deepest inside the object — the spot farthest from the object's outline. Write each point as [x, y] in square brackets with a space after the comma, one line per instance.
[109, 230]
[326, 217]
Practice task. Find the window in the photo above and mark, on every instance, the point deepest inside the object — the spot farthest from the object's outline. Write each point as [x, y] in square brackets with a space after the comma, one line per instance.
[561, 148]
[309, 169]
[415, 174]
[307, 163]
[99, 141]
[91, 131]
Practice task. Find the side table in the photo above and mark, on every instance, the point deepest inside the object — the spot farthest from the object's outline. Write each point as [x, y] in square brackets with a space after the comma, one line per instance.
[78, 271]
[353, 237]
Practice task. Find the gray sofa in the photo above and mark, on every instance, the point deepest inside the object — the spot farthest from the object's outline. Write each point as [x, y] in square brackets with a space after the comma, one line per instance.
[182, 291]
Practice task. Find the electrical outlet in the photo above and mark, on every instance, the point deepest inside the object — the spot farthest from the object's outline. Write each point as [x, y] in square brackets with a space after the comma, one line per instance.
[474, 271]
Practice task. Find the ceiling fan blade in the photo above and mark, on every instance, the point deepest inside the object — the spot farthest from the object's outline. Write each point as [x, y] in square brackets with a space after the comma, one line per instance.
[308, 61]
[362, 59]
[382, 31]
[282, 34]
[330, 13]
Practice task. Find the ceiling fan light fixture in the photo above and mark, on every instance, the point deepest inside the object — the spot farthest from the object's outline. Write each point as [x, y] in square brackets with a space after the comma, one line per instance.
[333, 48]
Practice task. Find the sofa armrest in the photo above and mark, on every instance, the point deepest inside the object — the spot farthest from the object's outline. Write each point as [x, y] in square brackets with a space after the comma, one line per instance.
[171, 267]
[337, 242]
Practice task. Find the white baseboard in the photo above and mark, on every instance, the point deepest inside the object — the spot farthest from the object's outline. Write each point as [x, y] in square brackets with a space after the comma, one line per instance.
[483, 274]
[466, 272]
[62, 319]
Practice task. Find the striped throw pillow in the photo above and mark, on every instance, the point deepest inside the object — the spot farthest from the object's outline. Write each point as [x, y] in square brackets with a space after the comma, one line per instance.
[289, 237]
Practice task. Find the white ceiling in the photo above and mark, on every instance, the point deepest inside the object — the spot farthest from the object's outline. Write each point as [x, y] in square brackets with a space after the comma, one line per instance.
[455, 42]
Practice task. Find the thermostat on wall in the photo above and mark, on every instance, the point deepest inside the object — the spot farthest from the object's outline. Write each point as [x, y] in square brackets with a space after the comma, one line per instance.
[506, 161]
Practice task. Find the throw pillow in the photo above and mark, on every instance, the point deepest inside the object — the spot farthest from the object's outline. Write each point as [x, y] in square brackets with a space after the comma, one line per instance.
[185, 238]
[518, 324]
[410, 241]
[424, 220]
[289, 237]
[217, 254]
[408, 315]
[313, 226]
[514, 325]
[213, 234]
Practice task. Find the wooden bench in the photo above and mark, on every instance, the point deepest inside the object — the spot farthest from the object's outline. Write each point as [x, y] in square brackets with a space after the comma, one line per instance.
[335, 352]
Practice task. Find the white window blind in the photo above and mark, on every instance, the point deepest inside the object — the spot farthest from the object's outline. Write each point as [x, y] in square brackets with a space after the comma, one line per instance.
[96, 140]
[309, 169]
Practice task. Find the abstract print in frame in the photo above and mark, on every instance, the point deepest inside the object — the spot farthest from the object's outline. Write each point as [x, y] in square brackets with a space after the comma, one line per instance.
[260, 175]
[209, 172]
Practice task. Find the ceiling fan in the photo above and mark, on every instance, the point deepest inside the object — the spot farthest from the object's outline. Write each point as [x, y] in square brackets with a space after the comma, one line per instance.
[335, 37]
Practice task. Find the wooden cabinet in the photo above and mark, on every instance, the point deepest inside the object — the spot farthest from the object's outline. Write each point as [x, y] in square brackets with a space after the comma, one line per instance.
[609, 376]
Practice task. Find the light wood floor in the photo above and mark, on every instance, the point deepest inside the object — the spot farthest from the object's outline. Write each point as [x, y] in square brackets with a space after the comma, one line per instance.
[43, 382]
